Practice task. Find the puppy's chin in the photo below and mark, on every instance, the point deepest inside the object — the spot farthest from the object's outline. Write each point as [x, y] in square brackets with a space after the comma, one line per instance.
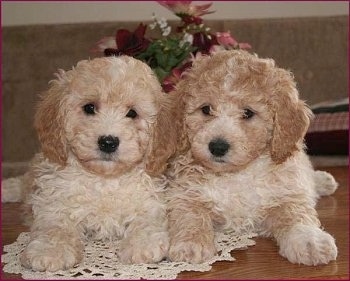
[107, 168]
[219, 164]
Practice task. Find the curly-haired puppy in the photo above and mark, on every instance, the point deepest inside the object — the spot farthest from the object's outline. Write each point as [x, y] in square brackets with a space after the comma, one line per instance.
[97, 127]
[241, 163]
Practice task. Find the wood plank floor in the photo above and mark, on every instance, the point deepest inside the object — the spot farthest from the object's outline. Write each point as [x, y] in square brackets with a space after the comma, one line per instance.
[261, 261]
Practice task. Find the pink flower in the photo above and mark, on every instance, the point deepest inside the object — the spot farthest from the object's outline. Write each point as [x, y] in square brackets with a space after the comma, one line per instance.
[185, 8]
[216, 48]
[225, 39]
[244, 46]
[105, 43]
[228, 42]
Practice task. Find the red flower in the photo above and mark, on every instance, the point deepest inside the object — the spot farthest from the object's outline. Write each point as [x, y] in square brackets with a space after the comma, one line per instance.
[129, 43]
[170, 81]
[203, 42]
[244, 46]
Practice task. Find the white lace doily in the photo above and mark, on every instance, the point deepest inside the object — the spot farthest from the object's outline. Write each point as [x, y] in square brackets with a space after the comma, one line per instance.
[101, 262]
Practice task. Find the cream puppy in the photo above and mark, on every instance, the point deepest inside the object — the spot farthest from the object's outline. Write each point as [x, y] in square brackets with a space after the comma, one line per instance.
[97, 125]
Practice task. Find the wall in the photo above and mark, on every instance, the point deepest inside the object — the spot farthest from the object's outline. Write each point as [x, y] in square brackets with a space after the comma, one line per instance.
[41, 12]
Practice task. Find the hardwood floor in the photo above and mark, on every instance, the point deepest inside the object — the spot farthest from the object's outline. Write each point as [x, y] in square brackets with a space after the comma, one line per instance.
[261, 261]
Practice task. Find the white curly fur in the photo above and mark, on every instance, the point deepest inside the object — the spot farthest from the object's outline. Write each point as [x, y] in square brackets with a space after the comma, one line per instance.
[77, 191]
[263, 181]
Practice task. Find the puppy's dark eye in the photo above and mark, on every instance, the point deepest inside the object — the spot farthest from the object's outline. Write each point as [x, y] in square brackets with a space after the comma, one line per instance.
[206, 109]
[89, 109]
[247, 113]
[131, 114]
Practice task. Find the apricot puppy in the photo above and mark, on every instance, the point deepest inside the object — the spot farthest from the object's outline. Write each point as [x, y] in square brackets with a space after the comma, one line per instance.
[240, 162]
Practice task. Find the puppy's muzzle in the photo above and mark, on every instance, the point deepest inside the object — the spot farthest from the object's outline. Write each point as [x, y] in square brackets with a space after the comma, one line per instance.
[219, 147]
[108, 144]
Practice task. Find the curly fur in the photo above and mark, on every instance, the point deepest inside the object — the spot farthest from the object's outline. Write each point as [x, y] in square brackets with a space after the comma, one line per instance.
[264, 182]
[80, 192]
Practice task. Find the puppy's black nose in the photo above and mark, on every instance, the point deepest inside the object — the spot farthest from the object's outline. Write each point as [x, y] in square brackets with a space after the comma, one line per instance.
[218, 147]
[108, 144]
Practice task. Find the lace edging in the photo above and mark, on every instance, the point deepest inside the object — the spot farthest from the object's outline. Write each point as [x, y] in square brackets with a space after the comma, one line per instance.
[101, 262]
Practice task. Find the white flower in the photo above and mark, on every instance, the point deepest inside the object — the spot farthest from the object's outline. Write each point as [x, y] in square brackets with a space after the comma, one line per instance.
[166, 31]
[162, 23]
[187, 38]
[152, 25]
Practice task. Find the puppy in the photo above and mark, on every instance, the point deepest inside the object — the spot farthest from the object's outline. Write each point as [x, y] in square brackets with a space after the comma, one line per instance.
[97, 125]
[240, 162]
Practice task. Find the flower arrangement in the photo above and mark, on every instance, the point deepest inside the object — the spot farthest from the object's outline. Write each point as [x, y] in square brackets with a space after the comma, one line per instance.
[172, 52]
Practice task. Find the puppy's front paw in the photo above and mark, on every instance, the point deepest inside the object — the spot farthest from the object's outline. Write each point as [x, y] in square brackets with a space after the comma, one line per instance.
[325, 183]
[198, 250]
[308, 245]
[43, 255]
[11, 190]
[144, 249]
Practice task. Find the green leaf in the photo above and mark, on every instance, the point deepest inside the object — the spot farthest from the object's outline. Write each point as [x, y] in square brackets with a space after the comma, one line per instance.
[161, 73]
[161, 59]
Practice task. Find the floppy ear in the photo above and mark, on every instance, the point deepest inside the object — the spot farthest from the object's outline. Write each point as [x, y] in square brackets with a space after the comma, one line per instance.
[168, 136]
[291, 121]
[49, 122]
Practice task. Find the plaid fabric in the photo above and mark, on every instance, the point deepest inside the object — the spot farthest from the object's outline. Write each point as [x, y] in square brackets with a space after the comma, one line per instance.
[328, 133]
[332, 109]
[327, 143]
[330, 104]
[329, 122]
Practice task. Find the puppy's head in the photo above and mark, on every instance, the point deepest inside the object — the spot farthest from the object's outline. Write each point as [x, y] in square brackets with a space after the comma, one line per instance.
[237, 107]
[101, 113]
